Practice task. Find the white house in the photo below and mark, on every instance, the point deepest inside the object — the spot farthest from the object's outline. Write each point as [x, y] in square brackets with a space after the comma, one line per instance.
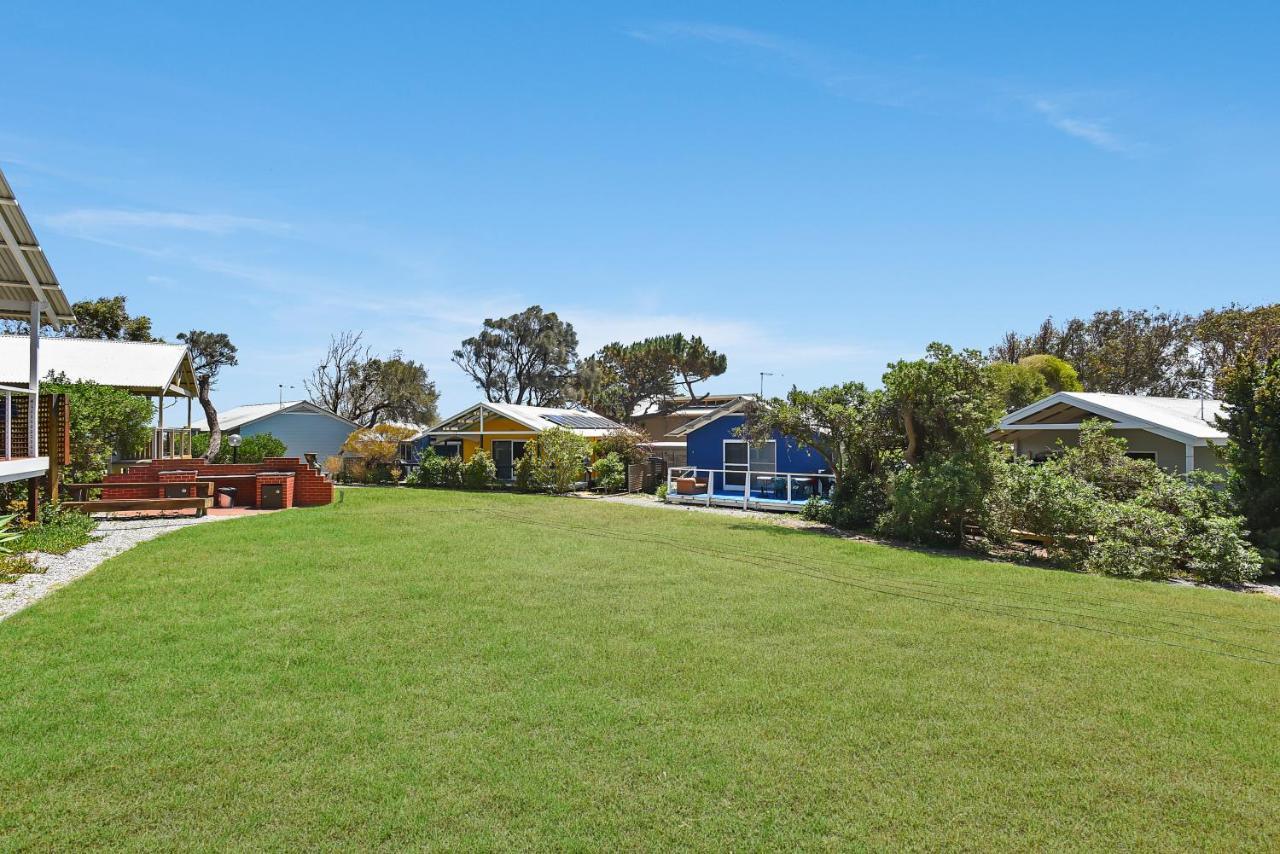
[1178, 434]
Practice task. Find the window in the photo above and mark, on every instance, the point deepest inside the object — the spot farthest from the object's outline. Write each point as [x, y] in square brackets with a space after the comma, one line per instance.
[1141, 455]
[739, 456]
[448, 448]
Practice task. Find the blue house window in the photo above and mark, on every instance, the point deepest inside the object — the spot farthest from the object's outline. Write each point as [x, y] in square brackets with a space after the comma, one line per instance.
[739, 456]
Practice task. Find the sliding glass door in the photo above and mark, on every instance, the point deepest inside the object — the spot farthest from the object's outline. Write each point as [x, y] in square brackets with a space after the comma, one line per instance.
[739, 457]
[505, 454]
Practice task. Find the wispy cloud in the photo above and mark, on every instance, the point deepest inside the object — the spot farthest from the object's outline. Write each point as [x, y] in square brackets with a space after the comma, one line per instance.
[1092, 131]
[908, 86]
[91, 220]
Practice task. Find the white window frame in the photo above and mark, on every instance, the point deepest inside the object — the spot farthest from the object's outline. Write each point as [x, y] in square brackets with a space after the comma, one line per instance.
[512, 442]
[724, 462]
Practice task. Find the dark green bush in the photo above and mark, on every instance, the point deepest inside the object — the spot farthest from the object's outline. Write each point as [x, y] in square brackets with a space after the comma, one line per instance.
[253, 449]
[610, 472]
[479, 472]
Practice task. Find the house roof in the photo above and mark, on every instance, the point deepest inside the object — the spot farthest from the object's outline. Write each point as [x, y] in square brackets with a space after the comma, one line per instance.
[25, 274]
[240, 416]
[729, 408]
[1180, 419]
[682, 405]
[536, 418]
[136, 366]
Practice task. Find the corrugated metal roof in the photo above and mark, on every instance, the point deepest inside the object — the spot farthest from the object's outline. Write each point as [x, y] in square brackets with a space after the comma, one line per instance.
[1189, 417]
[536, 418]
[144, 368]
[239, 416]
[25, 274]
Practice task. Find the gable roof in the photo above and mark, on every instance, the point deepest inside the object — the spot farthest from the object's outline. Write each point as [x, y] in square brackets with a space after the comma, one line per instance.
[25, 274]
[1180, 419]
[536, 418]
[136, 366]
[729, 408]
[240, 416]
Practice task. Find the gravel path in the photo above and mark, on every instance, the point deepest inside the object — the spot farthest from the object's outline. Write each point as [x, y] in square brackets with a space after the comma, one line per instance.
[113, 536]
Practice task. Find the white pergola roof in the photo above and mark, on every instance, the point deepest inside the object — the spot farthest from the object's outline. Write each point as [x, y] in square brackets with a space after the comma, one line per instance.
[25, 274]
[139, 367]
[239, 416]
[1181, 419]
[729, 408]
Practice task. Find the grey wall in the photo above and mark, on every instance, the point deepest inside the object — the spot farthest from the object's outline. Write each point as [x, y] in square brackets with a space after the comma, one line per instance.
[1170, 455]
[303, 432]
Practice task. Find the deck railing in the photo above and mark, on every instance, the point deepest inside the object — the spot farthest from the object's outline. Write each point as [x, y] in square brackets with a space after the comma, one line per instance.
[722, 486]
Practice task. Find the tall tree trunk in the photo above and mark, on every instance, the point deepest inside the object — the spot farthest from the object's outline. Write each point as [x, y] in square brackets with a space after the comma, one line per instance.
[210, 417]
[912, 453]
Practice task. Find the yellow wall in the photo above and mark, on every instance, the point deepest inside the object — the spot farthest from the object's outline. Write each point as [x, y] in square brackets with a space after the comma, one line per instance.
[504, 427]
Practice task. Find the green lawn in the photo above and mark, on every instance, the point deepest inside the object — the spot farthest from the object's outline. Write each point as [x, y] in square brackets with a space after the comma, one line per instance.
[455, 670]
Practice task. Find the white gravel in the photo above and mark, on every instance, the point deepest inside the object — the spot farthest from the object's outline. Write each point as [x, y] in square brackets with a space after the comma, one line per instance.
[112, 537]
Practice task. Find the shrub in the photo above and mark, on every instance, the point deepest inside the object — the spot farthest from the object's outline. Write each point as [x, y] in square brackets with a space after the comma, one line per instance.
[1216, 551]
[932, 502]
[661, 492]
[1133, 541]
[430, 471]
[479, 472]
[253, 449]
[451, 472]
[104, 420]
[559, 458]
[377, 445]
[611, 472]
[630, 444]
[354, 470]
[528, 470]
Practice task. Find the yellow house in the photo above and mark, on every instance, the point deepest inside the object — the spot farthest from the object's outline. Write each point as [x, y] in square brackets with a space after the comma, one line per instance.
[502, 429]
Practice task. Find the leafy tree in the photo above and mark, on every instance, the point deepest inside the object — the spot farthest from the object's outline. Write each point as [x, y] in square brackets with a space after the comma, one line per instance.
[1223, 335]
[945, 401]
[1057, 374]
[104, 420]
[377, 445]
[365, 389]
[525, 358]
[253, 449]
[1017, 385]
[1251, 391]
[1121, 351]
[630, 444]
[210, 353]
[617, 379]
[106, 318]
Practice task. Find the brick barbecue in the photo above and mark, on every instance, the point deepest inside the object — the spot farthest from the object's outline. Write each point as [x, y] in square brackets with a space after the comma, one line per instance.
[301, 485]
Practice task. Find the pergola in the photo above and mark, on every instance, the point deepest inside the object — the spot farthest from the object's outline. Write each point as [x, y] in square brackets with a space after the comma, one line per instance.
[29, 291]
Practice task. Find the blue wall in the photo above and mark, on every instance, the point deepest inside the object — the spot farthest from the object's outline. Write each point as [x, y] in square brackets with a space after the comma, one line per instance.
[303, 432]
[706, 448]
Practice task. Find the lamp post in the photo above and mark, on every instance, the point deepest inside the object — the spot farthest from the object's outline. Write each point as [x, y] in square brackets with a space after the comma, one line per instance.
[234, 441]
[282, 388]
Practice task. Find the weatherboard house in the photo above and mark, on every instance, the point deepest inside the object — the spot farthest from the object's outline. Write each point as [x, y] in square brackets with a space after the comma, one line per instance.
[723, 468]
[503, 429]
[304, 427]
[1177, 434]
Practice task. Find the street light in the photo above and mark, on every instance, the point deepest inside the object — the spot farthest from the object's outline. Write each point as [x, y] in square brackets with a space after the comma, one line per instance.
[234, 441]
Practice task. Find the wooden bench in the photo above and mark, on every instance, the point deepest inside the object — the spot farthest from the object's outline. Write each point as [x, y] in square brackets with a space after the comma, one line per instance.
[200, 500]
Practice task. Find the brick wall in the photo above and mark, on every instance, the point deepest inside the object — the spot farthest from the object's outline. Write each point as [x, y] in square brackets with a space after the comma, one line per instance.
[284, 479]
[310, 488]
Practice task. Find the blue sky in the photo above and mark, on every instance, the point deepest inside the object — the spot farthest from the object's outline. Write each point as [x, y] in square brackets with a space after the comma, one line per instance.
[816, 188]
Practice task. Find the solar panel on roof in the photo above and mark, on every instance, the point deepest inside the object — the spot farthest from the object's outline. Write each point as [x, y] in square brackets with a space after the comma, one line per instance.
[581, 422]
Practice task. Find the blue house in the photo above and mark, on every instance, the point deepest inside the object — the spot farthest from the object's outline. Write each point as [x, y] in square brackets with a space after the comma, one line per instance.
[724, 469]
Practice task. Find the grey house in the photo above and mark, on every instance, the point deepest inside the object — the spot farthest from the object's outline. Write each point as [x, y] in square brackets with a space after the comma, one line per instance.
[1177, 434]
[304, 427]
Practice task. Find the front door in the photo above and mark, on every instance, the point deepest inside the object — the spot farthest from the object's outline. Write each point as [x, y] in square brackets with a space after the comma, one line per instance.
[739, 458]
[505, 454]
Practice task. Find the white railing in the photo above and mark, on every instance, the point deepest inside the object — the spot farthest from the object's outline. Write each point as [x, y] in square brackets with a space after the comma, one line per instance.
[724, 485]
